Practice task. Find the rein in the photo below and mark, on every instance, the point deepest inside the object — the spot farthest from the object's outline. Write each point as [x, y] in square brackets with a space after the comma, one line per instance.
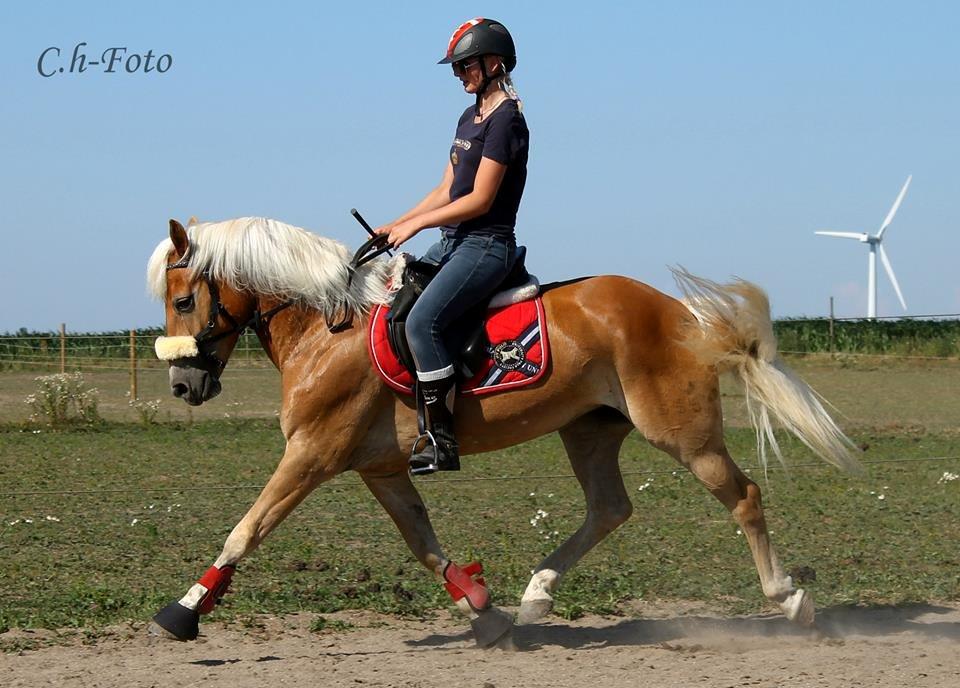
[376, 246]
[206, 337]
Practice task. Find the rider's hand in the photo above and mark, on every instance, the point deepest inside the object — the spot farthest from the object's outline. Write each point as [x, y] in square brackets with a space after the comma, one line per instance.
[384, 229]
[402, 231]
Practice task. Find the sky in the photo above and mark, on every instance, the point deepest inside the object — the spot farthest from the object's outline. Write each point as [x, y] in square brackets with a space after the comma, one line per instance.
[717, 136]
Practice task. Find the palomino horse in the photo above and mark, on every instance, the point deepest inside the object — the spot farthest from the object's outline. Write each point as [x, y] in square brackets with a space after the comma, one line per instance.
[624, 356]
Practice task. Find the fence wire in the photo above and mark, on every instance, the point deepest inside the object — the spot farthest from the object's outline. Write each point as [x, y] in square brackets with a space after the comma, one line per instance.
[679, 471]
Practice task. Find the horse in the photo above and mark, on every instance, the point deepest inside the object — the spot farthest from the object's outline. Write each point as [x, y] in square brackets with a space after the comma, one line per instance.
[624, 357]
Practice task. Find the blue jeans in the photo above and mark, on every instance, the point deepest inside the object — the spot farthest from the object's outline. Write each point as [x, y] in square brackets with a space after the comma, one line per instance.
[471, 268]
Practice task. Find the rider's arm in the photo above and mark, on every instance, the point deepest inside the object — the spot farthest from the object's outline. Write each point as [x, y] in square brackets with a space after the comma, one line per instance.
[477, 202]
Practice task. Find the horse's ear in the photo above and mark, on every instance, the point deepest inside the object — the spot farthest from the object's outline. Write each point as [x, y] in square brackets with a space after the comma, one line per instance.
[178, 235]
[193, 221]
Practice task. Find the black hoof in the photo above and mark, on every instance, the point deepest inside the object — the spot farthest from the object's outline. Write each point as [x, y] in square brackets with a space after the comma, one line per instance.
[491, 627]
[178, 621]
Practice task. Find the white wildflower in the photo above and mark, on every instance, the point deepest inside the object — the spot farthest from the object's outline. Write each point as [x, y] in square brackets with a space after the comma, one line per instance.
[134, 521]
[948, 477]
[53, 518]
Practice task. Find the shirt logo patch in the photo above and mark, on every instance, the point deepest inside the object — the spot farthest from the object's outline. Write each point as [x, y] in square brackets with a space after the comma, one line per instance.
[461, 143]
[453, 157]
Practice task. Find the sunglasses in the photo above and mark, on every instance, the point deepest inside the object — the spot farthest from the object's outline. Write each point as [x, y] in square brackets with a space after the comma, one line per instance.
[460, 67]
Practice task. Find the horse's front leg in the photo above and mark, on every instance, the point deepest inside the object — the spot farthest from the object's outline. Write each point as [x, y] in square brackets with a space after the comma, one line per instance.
[401, 500]
[300, 470]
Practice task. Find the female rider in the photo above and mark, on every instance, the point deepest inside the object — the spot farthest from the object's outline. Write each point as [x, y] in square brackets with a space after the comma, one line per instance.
[475, 205]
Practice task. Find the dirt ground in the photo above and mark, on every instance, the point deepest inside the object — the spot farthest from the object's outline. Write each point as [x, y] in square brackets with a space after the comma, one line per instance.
[658, 645]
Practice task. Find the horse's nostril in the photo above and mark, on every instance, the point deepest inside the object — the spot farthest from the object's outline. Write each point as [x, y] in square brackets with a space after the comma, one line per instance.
[179, 390]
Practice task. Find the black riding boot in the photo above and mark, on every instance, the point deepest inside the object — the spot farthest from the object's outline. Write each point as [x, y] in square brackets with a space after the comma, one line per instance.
[439, 451]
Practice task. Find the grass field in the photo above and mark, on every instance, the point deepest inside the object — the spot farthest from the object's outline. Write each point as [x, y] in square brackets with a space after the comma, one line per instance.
[868, 392]
[158, 511]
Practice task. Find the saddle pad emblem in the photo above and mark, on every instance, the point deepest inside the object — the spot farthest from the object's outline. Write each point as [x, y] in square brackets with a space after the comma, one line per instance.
[516, 356]
[508, 355]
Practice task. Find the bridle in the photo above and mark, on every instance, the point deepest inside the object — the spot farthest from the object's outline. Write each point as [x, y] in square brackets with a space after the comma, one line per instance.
[207, 338]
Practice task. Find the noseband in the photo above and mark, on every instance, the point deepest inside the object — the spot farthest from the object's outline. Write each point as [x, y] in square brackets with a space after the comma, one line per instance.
[206, 339]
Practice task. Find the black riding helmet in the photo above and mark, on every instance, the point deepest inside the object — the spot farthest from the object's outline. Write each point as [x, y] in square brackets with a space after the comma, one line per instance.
[478, 37]
[481, 37]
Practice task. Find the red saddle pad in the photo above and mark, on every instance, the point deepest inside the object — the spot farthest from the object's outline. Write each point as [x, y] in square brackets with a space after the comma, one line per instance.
[517, 354]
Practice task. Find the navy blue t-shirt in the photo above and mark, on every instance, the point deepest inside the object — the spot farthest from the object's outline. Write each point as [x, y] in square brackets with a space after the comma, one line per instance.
[503, 137]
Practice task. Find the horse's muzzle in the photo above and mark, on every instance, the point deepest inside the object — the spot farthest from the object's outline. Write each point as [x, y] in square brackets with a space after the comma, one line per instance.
[192, 383]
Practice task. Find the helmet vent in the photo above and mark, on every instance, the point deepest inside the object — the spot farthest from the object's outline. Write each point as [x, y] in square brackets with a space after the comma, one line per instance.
[464, 44]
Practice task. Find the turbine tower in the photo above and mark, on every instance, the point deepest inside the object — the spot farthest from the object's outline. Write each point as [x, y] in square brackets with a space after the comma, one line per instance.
[874, 241]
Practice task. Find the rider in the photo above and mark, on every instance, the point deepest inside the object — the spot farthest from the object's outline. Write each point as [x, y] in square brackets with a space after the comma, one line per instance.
[475, 205]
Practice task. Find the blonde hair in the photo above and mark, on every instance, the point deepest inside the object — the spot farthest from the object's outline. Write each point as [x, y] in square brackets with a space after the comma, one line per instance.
[506, 83]
[264, 256]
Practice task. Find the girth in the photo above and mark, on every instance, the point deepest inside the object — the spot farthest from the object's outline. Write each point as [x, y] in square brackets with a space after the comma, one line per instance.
[416, 276]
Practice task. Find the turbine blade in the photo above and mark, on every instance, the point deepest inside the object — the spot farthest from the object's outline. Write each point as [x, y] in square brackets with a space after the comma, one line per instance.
[845, 235]
[893, 210]
[893, 278]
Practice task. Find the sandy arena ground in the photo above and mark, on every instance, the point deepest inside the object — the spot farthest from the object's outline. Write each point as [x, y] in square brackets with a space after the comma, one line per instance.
[664, 646]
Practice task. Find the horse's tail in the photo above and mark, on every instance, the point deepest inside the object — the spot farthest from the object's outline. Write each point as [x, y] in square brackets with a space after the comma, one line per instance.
[735, 334]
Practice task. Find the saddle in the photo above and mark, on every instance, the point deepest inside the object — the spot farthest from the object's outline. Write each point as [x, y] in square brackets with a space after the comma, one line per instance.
[517, 285]
[504, 338]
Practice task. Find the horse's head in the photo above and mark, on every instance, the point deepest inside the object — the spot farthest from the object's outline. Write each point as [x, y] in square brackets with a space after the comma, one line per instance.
[205, 318]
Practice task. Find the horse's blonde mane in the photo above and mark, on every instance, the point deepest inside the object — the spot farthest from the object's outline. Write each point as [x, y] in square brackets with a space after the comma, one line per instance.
[270, 258]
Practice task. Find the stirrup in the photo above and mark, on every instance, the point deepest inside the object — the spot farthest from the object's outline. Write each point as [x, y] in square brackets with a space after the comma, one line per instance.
[424, 468]
[443, 458]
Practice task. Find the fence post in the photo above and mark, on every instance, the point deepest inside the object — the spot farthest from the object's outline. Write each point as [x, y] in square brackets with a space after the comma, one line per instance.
[831, 326]
[133, 365]
[63, 348]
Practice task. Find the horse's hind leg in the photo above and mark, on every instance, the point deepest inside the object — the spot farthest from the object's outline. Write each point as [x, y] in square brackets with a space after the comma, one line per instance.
[400, 499]
[717, 471]
[593, 444]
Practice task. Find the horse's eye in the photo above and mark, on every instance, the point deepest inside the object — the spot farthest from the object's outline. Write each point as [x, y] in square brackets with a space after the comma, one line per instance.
[184, 304]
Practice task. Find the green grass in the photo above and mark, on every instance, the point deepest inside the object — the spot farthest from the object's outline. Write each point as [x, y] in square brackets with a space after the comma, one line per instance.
[115, 556]
[869, 392]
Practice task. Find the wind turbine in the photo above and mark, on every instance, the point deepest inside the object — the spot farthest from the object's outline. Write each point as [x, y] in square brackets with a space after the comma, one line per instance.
[874, 242]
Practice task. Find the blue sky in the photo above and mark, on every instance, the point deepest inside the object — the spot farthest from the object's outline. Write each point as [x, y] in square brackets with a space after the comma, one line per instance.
[714, 135]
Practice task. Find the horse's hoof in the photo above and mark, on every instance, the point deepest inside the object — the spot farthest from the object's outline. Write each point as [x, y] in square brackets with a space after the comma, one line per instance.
[491, 627]
[155, 630]
[798, 607]
[179, 622]
[532, 611]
